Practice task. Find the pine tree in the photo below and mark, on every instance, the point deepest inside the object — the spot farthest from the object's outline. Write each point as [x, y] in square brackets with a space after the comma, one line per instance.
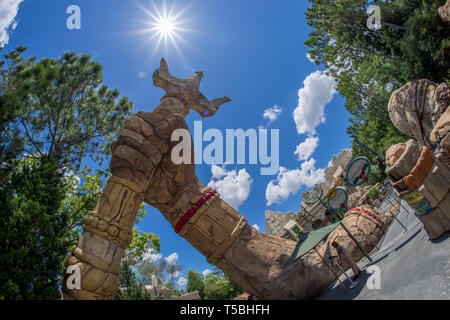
[61, 106]
[129, 289]
[34, 234]
[195, 283]
[53, 113]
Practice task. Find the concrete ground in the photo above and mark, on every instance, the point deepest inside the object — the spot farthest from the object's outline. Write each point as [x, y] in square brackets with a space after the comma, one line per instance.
[411, 266]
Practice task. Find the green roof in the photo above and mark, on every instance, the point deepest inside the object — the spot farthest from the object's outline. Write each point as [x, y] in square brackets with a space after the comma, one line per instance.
[309, 240]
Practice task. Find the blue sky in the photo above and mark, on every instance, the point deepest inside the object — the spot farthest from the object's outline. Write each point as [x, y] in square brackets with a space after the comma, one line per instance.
[251, 51]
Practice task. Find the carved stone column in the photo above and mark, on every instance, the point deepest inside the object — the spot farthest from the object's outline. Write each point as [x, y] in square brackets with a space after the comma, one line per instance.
[107, 233]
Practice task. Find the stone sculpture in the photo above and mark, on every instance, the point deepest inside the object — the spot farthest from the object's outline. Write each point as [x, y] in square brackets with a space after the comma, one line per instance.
[142, 170]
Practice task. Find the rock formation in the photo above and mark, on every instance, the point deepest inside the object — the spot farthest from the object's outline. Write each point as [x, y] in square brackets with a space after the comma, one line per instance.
[143, 170]
[444, 11]
[420, 171]
[416, 108]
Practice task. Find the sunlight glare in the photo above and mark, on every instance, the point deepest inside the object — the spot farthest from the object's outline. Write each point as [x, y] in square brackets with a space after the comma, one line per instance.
[166, 26]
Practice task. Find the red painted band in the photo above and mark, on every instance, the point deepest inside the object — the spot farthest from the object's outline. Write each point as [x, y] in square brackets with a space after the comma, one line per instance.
[193, 210]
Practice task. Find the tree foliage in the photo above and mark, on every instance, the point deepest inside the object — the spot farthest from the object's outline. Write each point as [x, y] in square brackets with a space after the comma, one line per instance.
[195, 283]
[165, 273]
[61, 106]
[129, 288]
[215, 286]
[369, 65]
[33, 231]
[53, 114]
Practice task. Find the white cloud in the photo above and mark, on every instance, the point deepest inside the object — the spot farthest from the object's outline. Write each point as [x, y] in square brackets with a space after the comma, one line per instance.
[318, 90]
[256, 226]
[218, 172]
[182, 281]
[174, 275]
[142, 74]
[151, 256]
[234, 187]
[8, 11]
[273, 113]
[309, 57]
[172, 258]
[306, 148]
[206, 272]
[289, 182]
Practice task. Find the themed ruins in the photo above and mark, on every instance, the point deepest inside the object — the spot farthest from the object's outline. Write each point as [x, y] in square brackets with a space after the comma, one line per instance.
[143, 171]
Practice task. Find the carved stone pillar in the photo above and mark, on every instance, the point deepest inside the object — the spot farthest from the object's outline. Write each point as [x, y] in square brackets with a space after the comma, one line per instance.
[107, 233]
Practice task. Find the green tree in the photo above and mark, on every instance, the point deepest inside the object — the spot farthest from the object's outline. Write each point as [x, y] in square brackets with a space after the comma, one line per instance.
[34, 232]
[369, 65]
[166, 273]
[11, 140]
[218, 286]
[53, 113]
[63, 107]
[129, 288]
[215, 286]
[195, 283]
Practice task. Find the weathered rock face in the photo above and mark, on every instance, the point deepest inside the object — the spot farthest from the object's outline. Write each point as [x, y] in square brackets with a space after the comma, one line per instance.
[354, 199]
[441, 132]
[366, 230]
[401, 159]
[420, 109]
[425, 185]
[393, 153]
[416, 108]
[444, 11]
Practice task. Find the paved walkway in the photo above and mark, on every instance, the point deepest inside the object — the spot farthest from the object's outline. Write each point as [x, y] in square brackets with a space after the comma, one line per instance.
[412, 267]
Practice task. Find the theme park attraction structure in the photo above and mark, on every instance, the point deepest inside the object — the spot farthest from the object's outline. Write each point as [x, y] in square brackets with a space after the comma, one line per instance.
[420, 171]
[142, 170]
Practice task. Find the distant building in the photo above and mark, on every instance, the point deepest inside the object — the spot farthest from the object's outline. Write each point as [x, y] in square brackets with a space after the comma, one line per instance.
[283, 225]
[336, 169]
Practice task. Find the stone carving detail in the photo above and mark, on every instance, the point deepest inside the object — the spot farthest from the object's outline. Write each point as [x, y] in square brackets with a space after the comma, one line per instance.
[142, 170]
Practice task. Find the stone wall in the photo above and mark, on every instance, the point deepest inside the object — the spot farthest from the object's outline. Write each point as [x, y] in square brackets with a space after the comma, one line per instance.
[275, 222]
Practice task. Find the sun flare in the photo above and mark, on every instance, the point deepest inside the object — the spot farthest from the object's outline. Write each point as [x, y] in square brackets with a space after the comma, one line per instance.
[164, 26]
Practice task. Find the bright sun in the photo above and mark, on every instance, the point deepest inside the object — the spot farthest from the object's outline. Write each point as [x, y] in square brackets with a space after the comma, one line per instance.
[163, 25]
